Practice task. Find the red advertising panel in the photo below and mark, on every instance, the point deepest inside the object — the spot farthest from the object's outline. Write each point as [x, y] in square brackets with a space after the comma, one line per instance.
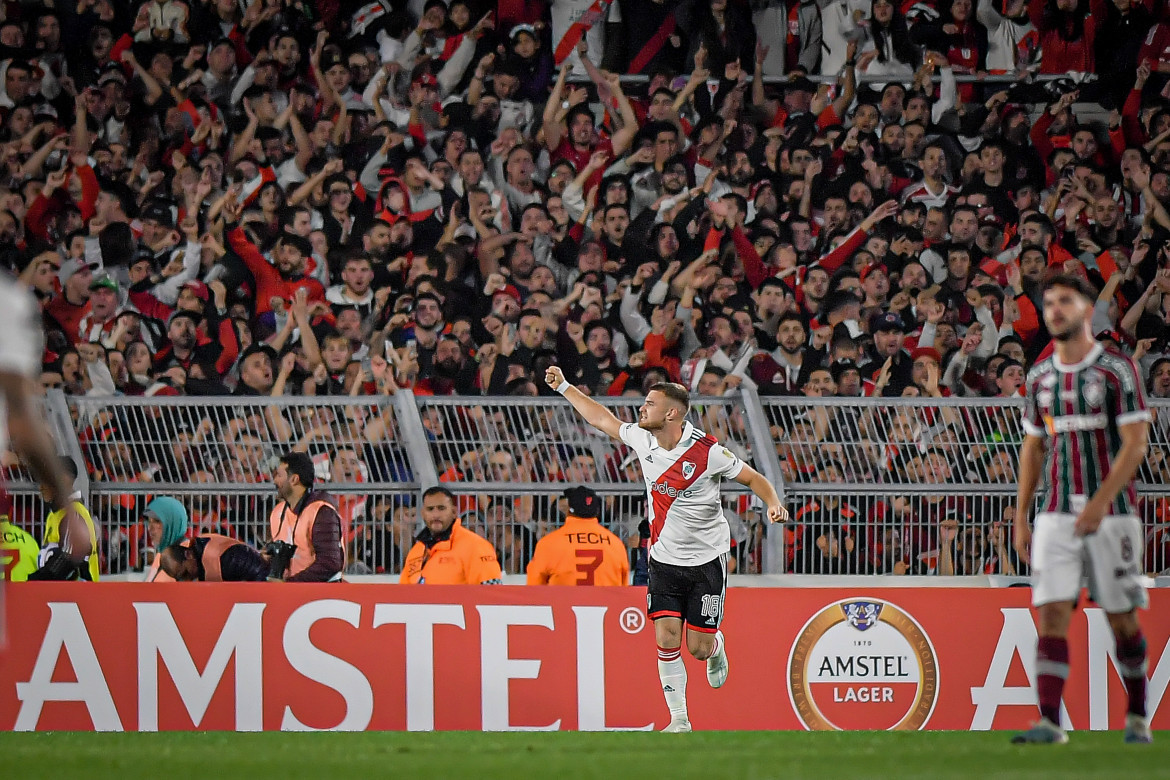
[262, 657]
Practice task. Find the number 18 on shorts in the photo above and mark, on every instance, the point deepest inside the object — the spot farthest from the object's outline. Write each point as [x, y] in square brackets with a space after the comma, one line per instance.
[692, 593]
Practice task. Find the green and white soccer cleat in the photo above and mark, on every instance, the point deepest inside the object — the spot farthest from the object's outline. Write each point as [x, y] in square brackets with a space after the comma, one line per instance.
[1043, 732]
[1137, 730]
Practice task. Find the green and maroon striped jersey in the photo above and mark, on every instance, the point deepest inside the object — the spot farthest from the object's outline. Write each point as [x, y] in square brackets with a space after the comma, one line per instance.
[1078, 410]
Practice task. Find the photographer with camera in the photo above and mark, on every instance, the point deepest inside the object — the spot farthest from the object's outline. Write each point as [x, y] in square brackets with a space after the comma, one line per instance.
[306, 528]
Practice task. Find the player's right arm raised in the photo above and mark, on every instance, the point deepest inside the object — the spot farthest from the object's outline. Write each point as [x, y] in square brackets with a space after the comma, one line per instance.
[594, 413]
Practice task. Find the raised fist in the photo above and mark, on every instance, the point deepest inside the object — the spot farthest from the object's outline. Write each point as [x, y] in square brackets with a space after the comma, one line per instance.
[553, 377]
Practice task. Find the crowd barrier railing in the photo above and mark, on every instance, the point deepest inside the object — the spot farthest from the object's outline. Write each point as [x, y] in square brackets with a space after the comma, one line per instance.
[873, 486]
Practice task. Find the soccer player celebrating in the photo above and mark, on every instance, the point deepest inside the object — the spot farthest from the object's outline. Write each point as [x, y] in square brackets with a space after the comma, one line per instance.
[689, 536]
[1087, 430]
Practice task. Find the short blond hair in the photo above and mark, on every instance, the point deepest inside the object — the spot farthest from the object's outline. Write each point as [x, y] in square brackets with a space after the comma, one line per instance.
[675, 392]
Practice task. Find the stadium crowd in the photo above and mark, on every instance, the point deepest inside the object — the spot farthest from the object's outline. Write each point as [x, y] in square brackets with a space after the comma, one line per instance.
[319, 199]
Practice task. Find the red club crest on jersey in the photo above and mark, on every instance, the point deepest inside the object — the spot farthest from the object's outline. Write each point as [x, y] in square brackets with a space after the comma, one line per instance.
[674, 482]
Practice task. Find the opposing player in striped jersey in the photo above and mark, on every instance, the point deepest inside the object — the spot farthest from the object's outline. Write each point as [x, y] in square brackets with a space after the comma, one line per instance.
[689, 536]
[1087, 431]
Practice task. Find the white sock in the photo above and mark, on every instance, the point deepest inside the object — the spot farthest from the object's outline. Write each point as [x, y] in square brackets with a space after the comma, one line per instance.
[673, 675]
[718, 644]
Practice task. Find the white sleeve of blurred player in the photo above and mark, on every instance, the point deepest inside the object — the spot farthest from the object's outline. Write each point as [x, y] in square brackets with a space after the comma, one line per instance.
[21, 345]
[21, 340]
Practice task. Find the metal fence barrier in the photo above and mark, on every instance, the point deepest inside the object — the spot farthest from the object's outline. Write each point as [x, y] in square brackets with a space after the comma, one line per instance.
[857, 445]
[846, 444]
[864, 78]
[889, 486]
[228, 444]
[531, 442]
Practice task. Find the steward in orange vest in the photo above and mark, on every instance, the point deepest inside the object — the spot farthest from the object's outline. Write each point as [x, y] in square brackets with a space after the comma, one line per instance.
[445, 552]
[212, 558]
[308, 522]
[580, 552]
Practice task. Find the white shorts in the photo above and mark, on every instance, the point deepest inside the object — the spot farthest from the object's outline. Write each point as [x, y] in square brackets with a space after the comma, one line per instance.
[1109, 561]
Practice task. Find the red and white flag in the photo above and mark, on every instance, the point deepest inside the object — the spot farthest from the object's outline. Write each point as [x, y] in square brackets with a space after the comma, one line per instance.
[252, 187]
[568, 42]
[365, 16]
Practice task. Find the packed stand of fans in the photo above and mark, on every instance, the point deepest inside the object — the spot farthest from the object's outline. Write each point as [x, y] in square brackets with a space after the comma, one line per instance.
[321, 199]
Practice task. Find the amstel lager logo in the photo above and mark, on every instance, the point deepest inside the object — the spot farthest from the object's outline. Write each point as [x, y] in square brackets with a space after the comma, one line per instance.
[862, 664]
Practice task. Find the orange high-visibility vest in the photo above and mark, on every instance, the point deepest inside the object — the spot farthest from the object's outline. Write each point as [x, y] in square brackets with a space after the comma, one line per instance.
[288, 526]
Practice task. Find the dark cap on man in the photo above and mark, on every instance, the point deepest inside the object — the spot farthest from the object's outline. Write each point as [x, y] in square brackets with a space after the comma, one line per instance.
[160, 213]
[800, 83]
[183, 314]
[886, 321]
[583, 502]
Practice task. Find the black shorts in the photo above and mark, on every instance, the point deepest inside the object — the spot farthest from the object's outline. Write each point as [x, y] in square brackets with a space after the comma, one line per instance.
[693, 593]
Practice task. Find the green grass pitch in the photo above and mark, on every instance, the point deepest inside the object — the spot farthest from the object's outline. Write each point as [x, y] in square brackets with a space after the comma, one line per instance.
[575, 756]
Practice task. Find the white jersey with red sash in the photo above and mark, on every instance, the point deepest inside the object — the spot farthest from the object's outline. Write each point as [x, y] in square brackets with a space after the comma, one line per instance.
[687, 526]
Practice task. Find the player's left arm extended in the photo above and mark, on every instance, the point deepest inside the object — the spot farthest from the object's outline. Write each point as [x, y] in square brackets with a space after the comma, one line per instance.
[765, 491]
[1135, 441]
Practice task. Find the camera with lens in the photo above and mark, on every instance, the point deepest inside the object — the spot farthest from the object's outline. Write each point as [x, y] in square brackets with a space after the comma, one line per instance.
[280, 555]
